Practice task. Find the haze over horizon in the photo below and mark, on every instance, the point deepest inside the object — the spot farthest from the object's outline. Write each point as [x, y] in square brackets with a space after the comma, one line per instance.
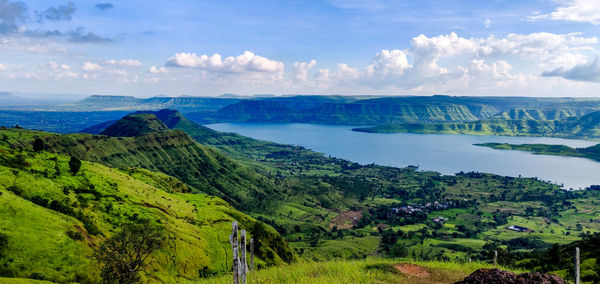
[384, 47]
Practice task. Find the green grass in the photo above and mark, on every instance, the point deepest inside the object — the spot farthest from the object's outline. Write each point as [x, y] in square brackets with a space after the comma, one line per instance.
[101, 200]
[371, 270]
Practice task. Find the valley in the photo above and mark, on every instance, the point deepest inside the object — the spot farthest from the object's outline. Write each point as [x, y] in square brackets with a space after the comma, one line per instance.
[302, 205]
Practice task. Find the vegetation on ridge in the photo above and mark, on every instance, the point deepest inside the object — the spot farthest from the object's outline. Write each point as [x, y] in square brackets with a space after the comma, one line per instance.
[66, 216]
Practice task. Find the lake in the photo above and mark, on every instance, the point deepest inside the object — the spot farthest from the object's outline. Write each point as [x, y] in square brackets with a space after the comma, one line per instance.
[443, 153]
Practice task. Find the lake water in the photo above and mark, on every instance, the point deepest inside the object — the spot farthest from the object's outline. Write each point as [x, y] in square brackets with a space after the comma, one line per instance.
[447, 154]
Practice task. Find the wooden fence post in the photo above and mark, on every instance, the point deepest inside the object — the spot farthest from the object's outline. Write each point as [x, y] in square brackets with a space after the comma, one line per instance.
[234, 244]
[243, 264]
[577, 268]
[252, 255]
[495, 258]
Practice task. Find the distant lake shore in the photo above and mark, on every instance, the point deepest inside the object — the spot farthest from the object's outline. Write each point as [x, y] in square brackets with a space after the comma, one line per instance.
[447, 154]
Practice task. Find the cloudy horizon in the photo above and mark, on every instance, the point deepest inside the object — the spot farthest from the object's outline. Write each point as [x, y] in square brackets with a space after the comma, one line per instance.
[385, 47]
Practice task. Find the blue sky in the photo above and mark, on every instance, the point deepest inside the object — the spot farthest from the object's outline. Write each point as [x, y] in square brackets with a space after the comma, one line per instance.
[381, 47]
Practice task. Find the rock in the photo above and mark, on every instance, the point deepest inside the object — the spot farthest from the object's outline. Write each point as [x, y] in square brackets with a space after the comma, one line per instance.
[497, 276]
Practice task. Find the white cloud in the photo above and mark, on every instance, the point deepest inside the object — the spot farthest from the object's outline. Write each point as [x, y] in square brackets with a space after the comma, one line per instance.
[55, 66]
[247, 62]
[587, 11]
[300, 71]
[487, 23]
[588, 71]
[450, 63]
[124, 63]
[2, 67]
[158, 70]
[90, 66]
[388, 62]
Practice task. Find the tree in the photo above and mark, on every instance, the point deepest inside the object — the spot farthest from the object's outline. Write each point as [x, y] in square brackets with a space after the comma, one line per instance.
[38, 145]
[74, 165]
[125, 254]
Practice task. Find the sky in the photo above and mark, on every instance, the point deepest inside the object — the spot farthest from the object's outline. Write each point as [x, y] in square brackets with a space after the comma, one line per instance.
[348, 47]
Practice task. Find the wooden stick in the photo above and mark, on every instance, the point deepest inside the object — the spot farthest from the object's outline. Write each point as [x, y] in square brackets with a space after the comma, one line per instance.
[577, 268]
[252, 255]
[495, 258]
[234, 244]
[243, 265]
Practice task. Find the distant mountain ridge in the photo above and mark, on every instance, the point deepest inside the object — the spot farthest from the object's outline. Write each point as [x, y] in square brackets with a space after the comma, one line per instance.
[506, 112]
[584, 127]
[369, 111]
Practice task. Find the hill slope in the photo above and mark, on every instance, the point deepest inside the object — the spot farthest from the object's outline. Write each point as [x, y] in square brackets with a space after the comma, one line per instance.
[134, 125]
[172, 152]
[66, 216]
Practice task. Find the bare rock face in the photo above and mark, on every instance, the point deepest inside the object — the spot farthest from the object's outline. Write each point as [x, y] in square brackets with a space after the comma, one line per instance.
[497, 276]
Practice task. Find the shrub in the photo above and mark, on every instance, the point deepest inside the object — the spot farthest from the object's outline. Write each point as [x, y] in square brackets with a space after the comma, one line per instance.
[38, 145]
[75, 235]
[74, 165]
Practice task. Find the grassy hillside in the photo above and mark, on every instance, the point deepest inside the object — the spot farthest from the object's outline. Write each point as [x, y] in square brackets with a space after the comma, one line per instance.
[172, 152]
[324, 195]
[135, 125]
[53, 219]
[372, 270]
[329, 208]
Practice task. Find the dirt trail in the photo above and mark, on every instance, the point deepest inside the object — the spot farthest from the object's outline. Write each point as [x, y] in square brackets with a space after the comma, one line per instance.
[412, 270]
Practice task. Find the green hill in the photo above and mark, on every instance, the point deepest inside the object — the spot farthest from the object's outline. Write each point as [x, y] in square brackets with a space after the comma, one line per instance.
[172, 152]
[53, 219]
[134, 125]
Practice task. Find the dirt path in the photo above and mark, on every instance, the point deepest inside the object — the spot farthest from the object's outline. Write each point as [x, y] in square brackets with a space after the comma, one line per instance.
[412, 270]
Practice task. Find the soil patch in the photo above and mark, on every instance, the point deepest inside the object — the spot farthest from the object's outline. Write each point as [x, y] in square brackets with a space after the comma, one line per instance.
[412, 270]
[346, 220]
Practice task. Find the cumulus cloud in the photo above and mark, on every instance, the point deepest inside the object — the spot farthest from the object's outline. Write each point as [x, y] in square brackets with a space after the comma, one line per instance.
[247, 62]
[11, 14]
[450, 63]
[60, 13]
[90, 66]
[588, 72]
[300, 71]
[388, 62]
[587, 11]
[104, 6]
[158, 70]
